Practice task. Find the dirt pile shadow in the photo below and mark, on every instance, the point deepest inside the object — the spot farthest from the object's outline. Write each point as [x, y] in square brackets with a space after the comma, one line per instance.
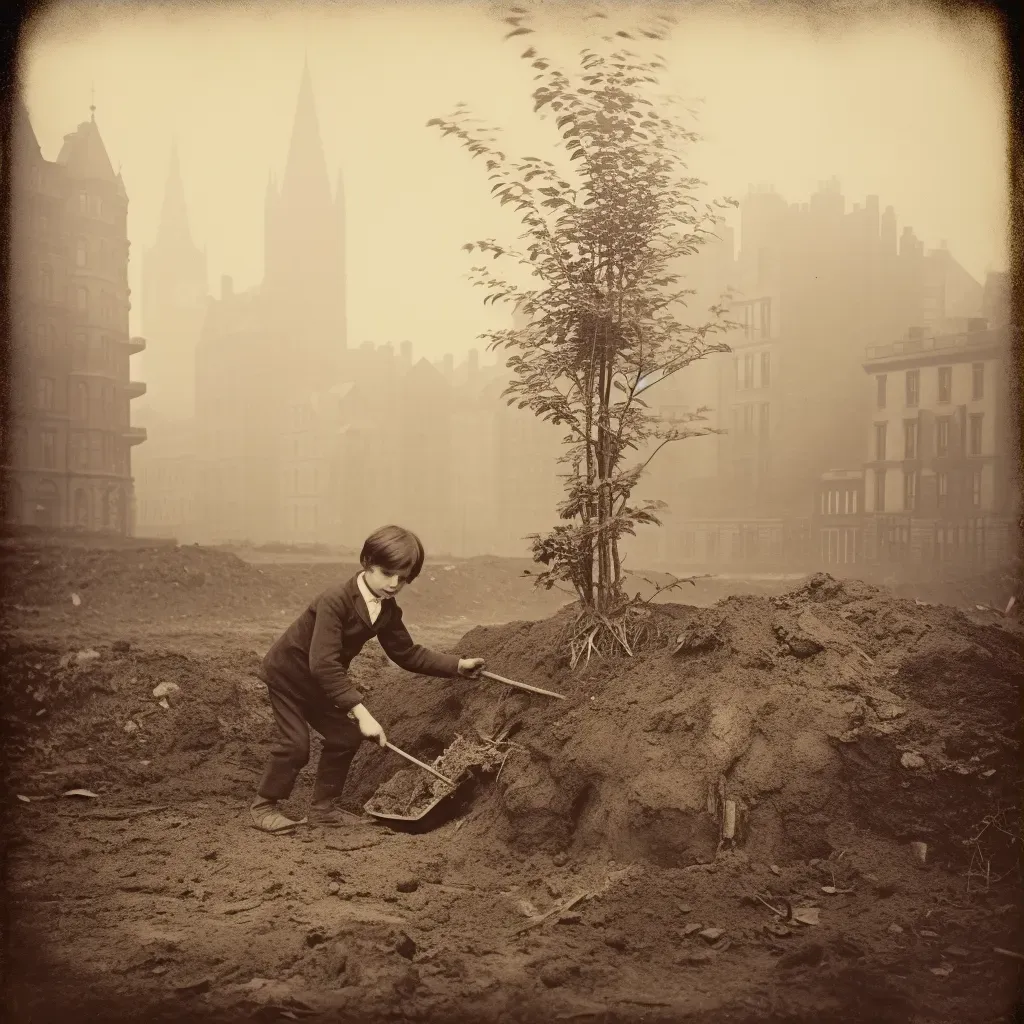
[834, 705]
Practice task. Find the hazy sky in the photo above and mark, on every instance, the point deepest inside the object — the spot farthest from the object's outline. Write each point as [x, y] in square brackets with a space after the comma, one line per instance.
[912, 110]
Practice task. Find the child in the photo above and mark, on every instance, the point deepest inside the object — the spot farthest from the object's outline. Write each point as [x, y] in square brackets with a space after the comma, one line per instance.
[306, 674]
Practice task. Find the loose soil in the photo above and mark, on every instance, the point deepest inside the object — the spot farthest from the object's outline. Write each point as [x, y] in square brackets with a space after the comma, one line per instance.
[867, 743]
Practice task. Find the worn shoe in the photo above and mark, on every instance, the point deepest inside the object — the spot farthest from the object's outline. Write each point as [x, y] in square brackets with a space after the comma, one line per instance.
[333, 817]
[267, 818]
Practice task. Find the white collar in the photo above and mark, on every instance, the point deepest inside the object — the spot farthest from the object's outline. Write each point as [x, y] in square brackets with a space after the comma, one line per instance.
[368, 595]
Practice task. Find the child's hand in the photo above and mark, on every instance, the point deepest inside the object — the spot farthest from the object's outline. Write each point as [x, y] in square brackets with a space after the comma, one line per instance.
[469, 668]
[369, 727]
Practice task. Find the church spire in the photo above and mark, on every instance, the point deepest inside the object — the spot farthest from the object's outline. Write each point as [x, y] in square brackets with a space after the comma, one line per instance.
[174, 214]
[306, 169]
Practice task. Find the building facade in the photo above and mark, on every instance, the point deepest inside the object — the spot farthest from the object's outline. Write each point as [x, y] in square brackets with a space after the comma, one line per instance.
[67, 456]
[940, 482]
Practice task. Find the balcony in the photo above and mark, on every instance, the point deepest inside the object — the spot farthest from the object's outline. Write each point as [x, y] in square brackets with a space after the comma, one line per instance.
[134, 435]
[135, 388]
[910, 347]
[136, 344]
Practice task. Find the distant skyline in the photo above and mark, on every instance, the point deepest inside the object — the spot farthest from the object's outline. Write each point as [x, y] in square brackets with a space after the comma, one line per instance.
[911, 109]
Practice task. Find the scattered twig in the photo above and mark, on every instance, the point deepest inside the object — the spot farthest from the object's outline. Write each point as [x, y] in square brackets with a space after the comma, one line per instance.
[126, 813]
[554, 912]
[1008, 953]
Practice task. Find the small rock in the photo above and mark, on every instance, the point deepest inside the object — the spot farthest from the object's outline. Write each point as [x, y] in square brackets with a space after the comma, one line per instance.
[776, 929]
[76, 600]
[570, 917]
[912, 760]
[163, 689]
[131, 726]
[559, 860]
[926, 933]
[895, 929]
[334, 888]
[121, 646]
[404, 946]
[83, 657]
[408, 885]
[690, 929]
[684, 908]
[885, 889]
[920, 851]
[315, 938]
[957, 951]
[616, 940]
[711, 934]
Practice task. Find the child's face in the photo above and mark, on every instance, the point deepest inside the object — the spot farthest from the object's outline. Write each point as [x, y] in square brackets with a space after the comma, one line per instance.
[383, 582]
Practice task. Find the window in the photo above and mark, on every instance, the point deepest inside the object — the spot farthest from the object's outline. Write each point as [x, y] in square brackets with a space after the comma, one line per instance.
[945, 384]
[689, 544]
[977, 381]
[910, 491]
[748, 419]
[295, 482]
[81, 253]
[83, 203]
[975, 435]
[82, 300]
[295, 517]
[976, 488]
[748, 370]
[44, 393]
[49, 449]
[766, 369]
[880, 391]
[739, 373]
[942, 485]
[46, 282]
[910, 439]
[913, 388]
[94, 452]
[942, 437]
[880, 429]
[712, 544]
[764, 424]
[79, 452]
[880, 490]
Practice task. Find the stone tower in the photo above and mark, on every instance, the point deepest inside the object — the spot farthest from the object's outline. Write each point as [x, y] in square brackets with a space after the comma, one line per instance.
[304, 251]
[174, 293]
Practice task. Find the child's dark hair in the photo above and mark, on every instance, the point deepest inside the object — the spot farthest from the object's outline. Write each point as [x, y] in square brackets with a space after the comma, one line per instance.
[393, 549]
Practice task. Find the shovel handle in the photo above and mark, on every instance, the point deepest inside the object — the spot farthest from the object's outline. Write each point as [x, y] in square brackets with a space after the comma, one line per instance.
[521, 686]
[420, 764]
[409, 757]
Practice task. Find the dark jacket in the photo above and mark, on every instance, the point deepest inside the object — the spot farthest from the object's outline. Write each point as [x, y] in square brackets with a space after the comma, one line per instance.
[312, 656]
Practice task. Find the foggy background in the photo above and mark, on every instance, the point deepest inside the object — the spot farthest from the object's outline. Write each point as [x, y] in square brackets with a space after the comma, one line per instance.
[312, 365]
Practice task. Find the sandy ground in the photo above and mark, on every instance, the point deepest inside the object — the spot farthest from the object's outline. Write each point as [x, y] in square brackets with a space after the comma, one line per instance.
[155, 900]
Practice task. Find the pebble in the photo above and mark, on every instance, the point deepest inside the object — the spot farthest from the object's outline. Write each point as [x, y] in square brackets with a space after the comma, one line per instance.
[559, 860]
[895, 929]
[334, 888]
[912, 760]
[711, 934]
[408, 885]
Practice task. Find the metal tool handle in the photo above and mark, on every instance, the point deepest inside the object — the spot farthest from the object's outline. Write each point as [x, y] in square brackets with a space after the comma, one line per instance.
[521, 686]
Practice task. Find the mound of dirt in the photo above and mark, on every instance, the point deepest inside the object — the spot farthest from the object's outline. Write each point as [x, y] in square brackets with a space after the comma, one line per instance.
[833, 706]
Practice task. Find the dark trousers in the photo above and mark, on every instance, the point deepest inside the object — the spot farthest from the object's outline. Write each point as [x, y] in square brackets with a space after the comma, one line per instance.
[294, 715]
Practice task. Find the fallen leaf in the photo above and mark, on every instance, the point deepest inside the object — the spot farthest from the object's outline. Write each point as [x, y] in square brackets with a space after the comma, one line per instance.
[774, 869]
[23, 799]
[76, 600]
[991, 771]
[942, 972]
[82, 792]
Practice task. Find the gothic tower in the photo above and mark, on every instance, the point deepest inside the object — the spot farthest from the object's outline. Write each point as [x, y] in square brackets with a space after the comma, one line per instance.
[174, 293]
[304, 250]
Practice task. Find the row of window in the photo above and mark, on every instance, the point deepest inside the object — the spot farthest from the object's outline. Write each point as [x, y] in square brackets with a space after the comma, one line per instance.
[165, 510]
[839, 501]
[47, 343]
[45, 388]
[100, 257]
[944, 497]
[108, 306]
[96, 452]
[747, 365]
[943, 436]
[752, 417]
[912, 386]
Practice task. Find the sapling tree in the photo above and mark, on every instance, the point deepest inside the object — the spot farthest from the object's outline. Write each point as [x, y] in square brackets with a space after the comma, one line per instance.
[601, 329]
